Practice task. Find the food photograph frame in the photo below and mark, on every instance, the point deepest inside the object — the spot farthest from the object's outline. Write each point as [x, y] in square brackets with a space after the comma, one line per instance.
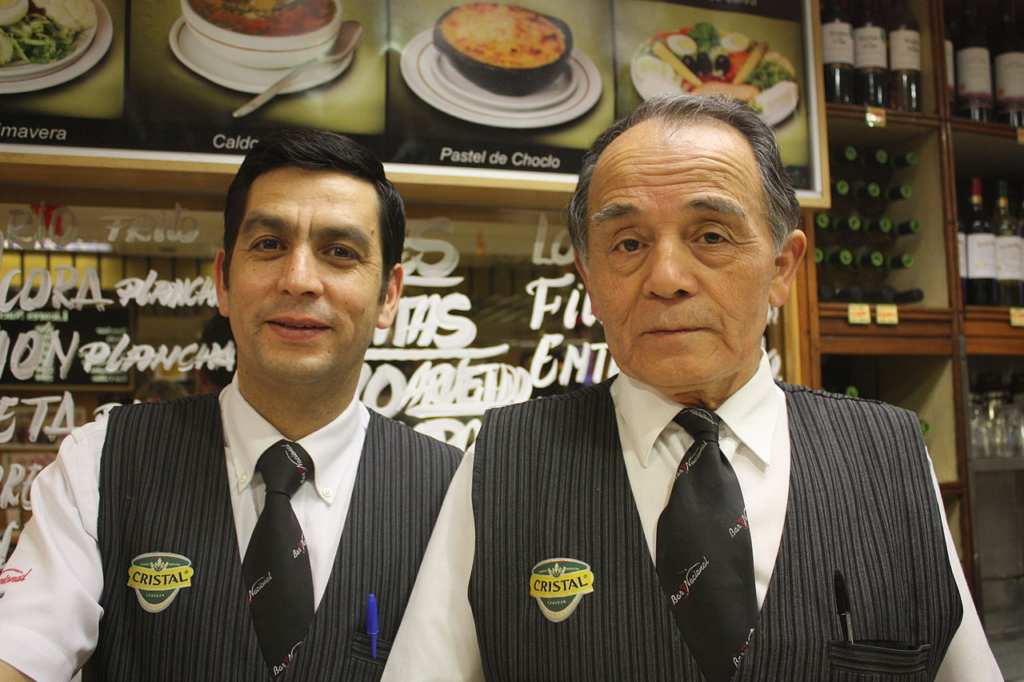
[158, 84]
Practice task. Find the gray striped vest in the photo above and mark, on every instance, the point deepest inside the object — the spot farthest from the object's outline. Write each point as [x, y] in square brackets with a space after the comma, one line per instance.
[164, 488]
[549, 482]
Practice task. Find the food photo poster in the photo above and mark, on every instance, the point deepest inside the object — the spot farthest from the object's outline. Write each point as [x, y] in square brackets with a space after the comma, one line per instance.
[186, 80]
[61, 68]
[523, 86]
[458, 82]
[755, 52]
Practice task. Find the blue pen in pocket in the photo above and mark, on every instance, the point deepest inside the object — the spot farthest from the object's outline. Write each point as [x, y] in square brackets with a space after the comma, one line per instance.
[371, 624]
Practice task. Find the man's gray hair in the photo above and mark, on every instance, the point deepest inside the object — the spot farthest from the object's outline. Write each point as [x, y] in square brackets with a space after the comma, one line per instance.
[779, 200]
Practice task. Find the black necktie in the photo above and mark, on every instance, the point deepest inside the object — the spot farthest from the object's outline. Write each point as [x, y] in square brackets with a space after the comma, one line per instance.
[704, 556]
[278, 580]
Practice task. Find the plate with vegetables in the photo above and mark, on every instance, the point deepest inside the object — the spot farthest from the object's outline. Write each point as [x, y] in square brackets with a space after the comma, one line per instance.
[703, 60]
[47, 42]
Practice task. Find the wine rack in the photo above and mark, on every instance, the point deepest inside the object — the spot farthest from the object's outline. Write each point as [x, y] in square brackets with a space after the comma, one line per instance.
[925, 362]
[921, 384]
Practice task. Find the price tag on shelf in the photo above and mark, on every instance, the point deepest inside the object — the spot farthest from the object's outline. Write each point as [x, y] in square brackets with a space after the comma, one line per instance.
[886, 313]
[875, 117]
[1020, 135]
[1017, 317]
[858, 313]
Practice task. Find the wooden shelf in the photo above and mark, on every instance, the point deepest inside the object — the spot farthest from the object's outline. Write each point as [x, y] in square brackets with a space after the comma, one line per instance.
[951, 489]
[858, 113]
[996, 464]
[921, 331]
[987, 331]
[991, 129]
[106, 181]
[988, 150]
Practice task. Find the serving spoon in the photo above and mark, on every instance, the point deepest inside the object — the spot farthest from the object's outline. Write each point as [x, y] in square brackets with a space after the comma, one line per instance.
[349, 35]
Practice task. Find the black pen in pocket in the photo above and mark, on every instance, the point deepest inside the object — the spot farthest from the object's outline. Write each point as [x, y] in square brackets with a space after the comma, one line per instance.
[843, 605]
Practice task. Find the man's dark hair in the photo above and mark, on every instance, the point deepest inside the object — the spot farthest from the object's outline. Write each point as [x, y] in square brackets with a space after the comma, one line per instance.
[778, 197]
[317, 150]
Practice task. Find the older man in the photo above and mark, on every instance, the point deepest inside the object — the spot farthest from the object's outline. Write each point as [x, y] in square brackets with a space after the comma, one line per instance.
[691, 519]
[240, 535]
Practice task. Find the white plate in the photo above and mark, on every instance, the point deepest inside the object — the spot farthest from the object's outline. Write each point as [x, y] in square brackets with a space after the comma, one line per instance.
[90, 47]
[428, 75]
[196, 57]
[777, 102]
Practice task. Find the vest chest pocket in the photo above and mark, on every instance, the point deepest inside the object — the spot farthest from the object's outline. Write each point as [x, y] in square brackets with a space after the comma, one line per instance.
[359, 649]
[877, 662]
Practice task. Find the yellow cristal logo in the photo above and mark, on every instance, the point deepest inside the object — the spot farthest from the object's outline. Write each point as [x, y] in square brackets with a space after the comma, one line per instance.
[564, 585]
[143, 578]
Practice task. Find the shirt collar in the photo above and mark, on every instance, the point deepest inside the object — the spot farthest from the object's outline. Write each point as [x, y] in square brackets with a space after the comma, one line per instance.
[749, 414]
[247, 435]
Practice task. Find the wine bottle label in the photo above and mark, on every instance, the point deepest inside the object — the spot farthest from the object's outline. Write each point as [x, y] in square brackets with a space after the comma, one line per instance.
[973, 74]
[981, 256]
[905, 50]
[1009, 258]
[950, 73]
[869, 47]
[961, 249]
[837, 43]
[1010, 79]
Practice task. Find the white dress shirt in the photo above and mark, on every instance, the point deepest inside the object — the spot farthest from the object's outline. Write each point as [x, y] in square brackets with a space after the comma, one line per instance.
[49, 623]
[437, 638]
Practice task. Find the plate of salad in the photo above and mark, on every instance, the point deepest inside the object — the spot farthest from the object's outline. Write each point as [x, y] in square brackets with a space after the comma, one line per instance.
[40, 37]
[704, 60]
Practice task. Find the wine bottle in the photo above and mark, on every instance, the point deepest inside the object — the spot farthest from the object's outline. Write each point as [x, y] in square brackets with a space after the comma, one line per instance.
[868, 190]
[826, 292]
[870, 59]
[981, 251]
[819, 256]
[876, 158]
[1009, 68]
[904, 160]
[880, 295]
[850, 294]
[900, 262]
[909, 296]
[832, 228]
[912, 226]
[904, 58]
[841, 258]
[837, 51]
[1009, 250]
[898, 192]
[841, 188]
[850, 390]
[878, 226]
[871, 260]
[846, 154]
[973, 70]
[847, 225]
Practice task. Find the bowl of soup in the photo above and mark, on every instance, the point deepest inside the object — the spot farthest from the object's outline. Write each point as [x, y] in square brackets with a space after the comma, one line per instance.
[264, 34]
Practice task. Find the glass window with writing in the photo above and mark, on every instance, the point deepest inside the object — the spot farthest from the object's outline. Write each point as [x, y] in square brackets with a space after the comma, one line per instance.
[493, 313]
[102, 306]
